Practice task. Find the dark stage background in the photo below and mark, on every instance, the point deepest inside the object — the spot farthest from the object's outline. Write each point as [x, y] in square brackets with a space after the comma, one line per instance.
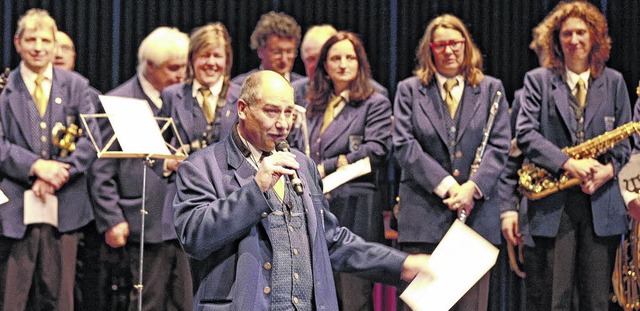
[108, 32]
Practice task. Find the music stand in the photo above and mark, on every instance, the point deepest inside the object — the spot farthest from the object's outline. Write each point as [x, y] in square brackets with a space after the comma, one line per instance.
[139, 134]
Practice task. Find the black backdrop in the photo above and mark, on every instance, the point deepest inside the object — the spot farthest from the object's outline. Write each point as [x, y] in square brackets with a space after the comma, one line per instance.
[107, 32]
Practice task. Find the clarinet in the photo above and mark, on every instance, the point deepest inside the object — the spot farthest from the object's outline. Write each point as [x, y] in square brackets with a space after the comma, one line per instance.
[483, 145]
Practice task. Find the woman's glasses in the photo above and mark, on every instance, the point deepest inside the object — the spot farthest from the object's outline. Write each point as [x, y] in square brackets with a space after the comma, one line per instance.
[441, 46]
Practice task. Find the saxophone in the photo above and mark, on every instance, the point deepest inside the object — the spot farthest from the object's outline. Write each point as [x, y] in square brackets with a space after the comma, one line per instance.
[536, 183]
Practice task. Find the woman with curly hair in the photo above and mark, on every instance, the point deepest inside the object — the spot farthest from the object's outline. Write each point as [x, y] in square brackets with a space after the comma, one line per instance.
[570, 247]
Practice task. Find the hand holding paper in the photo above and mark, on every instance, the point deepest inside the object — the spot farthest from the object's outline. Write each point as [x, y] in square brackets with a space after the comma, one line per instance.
[453, 273]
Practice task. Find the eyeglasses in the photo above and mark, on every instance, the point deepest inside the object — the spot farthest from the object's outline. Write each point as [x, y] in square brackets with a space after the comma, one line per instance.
[441, 46]
[282, 53]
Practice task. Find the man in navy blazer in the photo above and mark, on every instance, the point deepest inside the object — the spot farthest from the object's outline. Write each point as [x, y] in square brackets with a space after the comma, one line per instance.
[118, 185]
[256, 245]
[571, 99]
[40, 267]
[275, 39]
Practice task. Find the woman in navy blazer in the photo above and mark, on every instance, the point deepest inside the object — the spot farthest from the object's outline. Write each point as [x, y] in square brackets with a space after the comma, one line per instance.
[356, 126]
[209, 68]
[579, 227]
[435, 145]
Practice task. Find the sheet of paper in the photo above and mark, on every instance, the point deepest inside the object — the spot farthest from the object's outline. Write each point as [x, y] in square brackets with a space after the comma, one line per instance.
[629, 179]
[38, 212]
[459, 261]
[346, 173]
[134, 125]
[3, 198]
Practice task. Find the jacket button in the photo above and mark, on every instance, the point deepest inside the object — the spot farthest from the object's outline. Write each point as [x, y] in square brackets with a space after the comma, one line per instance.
[264, 214]
[266, 290]
[295, 299]
[43, 125]
[328, 196]
[267, 265]
[458, 154]
[456, 173]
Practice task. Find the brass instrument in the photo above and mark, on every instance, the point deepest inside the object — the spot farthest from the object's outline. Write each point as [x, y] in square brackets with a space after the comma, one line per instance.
[536, 183]
[626, 290]
[65, 137]
[4, 78]
[626, 287]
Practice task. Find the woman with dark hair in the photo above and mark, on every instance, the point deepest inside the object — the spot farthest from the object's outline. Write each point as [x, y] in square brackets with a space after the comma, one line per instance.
[440, 116]
[572, 98]
[348, 121]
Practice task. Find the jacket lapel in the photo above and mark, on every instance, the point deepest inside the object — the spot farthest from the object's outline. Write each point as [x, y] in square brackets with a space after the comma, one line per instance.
[594, 100]
[19, 97]
[57, 100]
[243, 172]
[337, 126]
[470, 104]
[184, 111]
[560, 96]
[430, 110]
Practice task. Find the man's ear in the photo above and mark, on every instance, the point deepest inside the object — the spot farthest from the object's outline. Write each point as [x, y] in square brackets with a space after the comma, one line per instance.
[261, 53]
[16, 43]
[242, 109]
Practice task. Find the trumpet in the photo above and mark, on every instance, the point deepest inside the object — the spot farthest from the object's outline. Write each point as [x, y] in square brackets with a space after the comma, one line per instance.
[65, 137]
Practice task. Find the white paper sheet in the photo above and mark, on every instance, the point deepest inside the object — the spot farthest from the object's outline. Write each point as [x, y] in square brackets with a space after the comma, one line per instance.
[629, 179]
[459, 261]
[3, 198]
[134, 125]
[346, 173]
[38, 212]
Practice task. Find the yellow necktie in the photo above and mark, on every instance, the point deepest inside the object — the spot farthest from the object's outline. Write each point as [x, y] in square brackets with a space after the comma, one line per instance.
[328, 112]
[279, 189]
[581, 92]
[451, 102]
[206, 106]
[279, 186]
[38, 96]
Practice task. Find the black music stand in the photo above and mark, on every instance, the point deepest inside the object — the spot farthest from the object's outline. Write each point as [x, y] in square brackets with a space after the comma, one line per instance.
[140, 136]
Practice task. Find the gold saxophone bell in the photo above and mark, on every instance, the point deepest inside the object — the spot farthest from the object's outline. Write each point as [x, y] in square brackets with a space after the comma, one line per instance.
[65, 138]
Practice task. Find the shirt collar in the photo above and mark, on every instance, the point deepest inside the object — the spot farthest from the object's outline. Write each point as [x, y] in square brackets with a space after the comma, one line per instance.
[150, 90]
[247, 149]
[215, 88]
[30, 76]
[442, 79]
[344, 94]
[572, 78]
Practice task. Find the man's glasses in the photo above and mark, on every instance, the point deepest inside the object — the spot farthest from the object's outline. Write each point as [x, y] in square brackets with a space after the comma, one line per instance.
[441, 46]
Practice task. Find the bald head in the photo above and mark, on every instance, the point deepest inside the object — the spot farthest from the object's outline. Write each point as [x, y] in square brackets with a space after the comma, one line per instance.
[265, 109]
[311, 45]
[65, 54]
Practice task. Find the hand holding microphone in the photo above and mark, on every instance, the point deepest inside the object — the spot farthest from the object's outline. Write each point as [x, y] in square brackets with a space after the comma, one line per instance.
[296, 183]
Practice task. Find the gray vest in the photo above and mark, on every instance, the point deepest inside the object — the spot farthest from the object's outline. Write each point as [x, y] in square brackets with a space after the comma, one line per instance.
[291, 275]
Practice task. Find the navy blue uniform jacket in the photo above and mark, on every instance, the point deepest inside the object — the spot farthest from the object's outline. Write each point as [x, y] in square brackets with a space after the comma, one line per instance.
[221, 220]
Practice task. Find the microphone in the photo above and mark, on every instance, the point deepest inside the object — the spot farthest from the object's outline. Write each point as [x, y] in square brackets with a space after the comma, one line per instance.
[296, 183]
